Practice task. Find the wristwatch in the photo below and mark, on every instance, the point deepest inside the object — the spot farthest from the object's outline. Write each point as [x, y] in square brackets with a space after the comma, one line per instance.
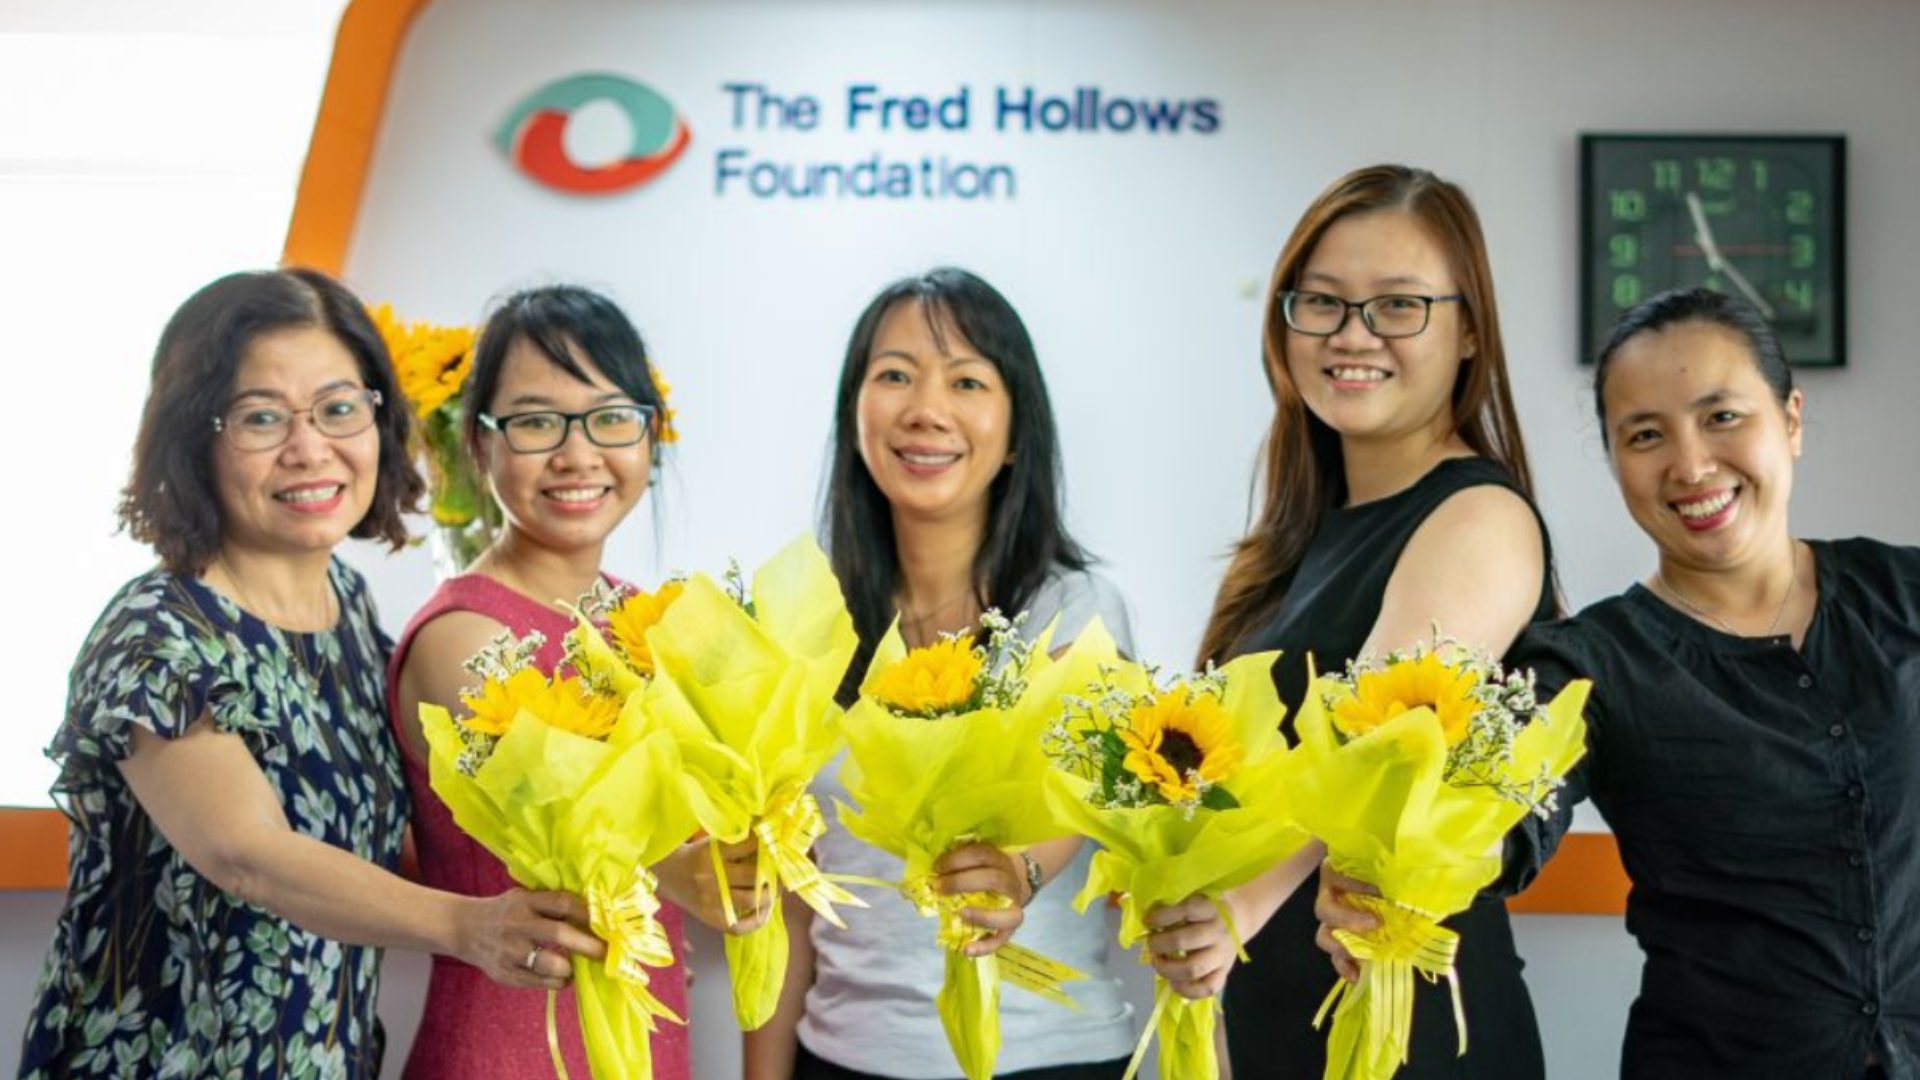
[1033, 875]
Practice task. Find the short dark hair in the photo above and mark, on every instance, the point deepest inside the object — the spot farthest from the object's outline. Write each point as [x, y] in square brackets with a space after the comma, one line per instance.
[1026, 538]
[170, 501]
[549, 318]
[1697, 305]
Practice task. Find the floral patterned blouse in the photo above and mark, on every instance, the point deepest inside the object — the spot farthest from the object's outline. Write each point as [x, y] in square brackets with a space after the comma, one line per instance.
[154, 971]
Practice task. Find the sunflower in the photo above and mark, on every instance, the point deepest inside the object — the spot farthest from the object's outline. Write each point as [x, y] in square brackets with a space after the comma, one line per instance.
[1403, 685]
[1178, 740]
[637, 614]
[429, 362]
[931, 681]
[564, 703]
[667, 433]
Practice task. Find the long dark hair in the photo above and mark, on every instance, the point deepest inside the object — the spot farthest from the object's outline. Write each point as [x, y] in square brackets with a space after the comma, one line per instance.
[1026, 537]
[169, 501]
[1304, 469]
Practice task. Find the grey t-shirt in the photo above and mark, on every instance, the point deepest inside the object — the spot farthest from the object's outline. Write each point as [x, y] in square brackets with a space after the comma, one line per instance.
[871, 1004]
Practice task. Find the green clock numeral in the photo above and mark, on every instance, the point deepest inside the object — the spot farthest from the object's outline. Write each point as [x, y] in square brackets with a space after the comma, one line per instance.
[1799, 292]
[1623, 250]
[1759, 174]
[1626, 290]
[1627, 204]
[1800, 251]
[1799, 207]
[1716, 173]
[1666, 175]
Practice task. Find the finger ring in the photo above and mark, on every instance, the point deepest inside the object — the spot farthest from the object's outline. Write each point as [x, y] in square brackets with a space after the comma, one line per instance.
[532, 956]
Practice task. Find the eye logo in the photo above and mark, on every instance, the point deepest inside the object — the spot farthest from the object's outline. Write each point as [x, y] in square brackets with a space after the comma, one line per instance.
[533, 136]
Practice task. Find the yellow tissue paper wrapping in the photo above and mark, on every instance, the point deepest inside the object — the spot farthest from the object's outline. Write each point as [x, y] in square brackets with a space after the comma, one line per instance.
[922, 787]
[566, 812]
[746, 691]
[1383, 807]
[1162, 854]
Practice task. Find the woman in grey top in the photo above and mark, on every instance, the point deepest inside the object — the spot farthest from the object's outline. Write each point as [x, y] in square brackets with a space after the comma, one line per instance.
[943, 501]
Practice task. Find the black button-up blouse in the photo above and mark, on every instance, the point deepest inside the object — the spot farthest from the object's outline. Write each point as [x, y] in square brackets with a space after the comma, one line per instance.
[1767, 807]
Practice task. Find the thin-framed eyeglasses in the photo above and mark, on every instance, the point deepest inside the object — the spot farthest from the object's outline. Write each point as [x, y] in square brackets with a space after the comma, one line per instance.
[1394, 315]
[609, 426]
[265, 425]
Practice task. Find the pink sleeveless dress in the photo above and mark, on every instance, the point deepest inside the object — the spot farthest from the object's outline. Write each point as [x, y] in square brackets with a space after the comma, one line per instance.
[473, 1028]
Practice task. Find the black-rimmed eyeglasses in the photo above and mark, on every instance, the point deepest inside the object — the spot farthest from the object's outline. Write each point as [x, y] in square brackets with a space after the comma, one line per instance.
[265, 425]
[609, 426]
[1395, 315]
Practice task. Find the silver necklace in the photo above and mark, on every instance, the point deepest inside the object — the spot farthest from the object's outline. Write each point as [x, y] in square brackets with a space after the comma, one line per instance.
[1772, 627]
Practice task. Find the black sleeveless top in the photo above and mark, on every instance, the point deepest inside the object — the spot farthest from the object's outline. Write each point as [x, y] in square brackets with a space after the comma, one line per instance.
[1330, 605]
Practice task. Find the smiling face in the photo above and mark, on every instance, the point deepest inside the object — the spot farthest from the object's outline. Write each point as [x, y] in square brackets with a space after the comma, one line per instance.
[305, 495]
[1702, 446]
[934, 418]
[572, 497]
[1364, 386]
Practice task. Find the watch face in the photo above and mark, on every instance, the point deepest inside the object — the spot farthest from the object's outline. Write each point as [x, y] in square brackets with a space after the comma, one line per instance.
[1761, 218]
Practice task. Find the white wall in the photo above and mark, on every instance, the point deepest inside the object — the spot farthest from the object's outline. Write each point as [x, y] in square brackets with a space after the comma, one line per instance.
[1138, 266]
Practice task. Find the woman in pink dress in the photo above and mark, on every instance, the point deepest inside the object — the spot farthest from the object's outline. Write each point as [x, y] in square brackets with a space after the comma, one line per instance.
[563, 416]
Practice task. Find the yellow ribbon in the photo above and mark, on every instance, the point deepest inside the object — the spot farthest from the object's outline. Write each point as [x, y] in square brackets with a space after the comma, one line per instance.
[1019, 966]
[636, 940]
[1407, 940]
[624, 919]
[786, 833]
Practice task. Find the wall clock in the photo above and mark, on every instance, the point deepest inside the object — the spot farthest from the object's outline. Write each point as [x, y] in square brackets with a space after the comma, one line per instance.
[1761, 217]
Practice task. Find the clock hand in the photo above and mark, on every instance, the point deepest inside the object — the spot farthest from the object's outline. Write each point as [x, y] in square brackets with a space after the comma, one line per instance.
[1717, 262]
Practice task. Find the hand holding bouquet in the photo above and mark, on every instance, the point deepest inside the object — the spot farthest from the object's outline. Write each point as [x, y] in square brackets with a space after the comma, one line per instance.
[744, 682]
[1412, 770]
[570, 789]
[1182, 787]
[944, 754]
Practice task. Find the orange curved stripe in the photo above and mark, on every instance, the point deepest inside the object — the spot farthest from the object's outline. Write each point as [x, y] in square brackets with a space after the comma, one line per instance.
[365, 54]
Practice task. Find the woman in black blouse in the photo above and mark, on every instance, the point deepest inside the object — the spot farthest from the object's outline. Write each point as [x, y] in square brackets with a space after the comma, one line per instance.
[1754, 732]
[1396, 497]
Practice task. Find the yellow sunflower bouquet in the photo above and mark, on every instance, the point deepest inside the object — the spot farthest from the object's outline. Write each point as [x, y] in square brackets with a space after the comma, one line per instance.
[1412, 770]
[943, 751]
[572, 789]
[1181, 785]
[431, 365]
[744, 681]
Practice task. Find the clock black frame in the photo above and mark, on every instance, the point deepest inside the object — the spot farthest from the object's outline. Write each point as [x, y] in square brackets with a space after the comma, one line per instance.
[1599, 150]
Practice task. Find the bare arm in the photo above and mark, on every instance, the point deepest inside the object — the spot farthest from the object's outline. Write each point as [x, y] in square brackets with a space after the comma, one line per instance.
[207, 796]
[432, 673]
[1473, 568]
[768, 1053]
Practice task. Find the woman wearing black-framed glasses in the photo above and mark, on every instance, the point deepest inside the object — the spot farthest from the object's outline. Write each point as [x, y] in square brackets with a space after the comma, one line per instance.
[562, 415]
[1397, 497]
